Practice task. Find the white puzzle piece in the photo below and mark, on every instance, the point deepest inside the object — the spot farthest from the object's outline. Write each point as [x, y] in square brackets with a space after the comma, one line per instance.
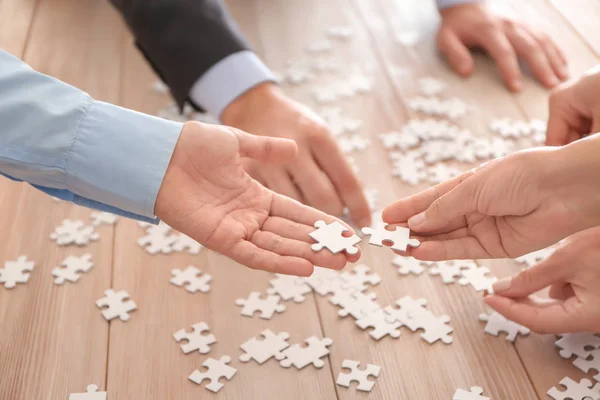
[581, 390]
[578, 344]
[158, 239]
[185, 243]
[410, 168]
[407, 309]
[497, 323]
[103, 218]
[431, 86]
[254, 303]
[118, 304]
[289, 287]
[478, 278]
[325, 281]
[91, 394]
[16, 272]
[399, 140]
[451, 108]
[353, 143]
[215, 370]
[338, 123]
[400, 237]
[441, 173]
[359, 375]
[409, 265]
[341, 32]
[322, 46]
[73, 232]
[476, 393]
[531, 259]
[330, 236]
[413, 314]
[358, 279]
[193, 279]
[451, 270]
[590, 363]
[379, 321]
[354, 303]
[300, 357]
[266, 346]
[71, 269]
[196, 341]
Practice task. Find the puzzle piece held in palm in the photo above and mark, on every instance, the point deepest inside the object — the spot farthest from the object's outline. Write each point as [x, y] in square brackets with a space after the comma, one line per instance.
[269, 345]
[16, 272]
[193, 278]
[215, 370]
[358, 375]
[71, 268]
[400, 237]
[330, 236]
[196, 341]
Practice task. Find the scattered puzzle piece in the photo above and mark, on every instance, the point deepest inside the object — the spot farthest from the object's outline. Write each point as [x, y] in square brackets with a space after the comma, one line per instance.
[581, 390]
[579, 344]
[16, 272]
[354, 303]
[71, 268]
[531, 259]
[103, 218]
[478, 278]
[497, 323]
[590, 363]
[399, 237]
[116, 304]
[261, 350]
[158, 239]
[379, 321]
[196, 341]
[475, 394]
[215, 370]
[409, 265]
[359, 277]
[186, 243]
[358, 375]
[193, 278]
[254, 303]
[451, 270]
[91, 394]
[330, 236]
[73, 232]
[289, 287]
[300, 357]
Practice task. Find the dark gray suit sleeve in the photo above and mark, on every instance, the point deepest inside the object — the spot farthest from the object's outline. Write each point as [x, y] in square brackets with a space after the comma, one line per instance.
[182, 39]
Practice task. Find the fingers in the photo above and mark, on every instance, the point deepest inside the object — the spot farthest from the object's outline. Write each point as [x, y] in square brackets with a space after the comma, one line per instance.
[294, 248]
[334, 163]
[559, 127]
[527, 47]
[316, 187]
[555, 55]
[495, 42]
[265, 148]
[281, 182]
[288, 229]
[561, 291]
[402, 210]
[249, 254]
[456, 52]
[542, 316]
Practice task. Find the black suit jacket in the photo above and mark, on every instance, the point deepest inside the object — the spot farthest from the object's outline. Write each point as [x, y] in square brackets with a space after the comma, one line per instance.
[182, 39]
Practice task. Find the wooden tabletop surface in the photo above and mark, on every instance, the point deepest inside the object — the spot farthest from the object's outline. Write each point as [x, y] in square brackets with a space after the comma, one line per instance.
[53, 339]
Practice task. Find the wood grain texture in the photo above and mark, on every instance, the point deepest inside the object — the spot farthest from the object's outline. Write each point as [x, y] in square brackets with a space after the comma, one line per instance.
[54, 340]
[583, 16]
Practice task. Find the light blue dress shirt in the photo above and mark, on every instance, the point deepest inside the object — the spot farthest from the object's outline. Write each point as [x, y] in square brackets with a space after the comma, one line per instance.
[237, 73]
[67, 144]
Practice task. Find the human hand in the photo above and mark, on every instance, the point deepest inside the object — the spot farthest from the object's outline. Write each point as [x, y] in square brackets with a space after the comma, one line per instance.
[574, 109]
[505, 39]
[507, 207]
[320, 175]
[572, 273]
[207, 195]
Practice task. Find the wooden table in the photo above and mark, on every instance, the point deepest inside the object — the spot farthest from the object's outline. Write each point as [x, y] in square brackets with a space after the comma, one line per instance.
[53, 340]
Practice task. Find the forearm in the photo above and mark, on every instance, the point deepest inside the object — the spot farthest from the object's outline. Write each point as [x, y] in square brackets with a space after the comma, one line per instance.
[62, 141]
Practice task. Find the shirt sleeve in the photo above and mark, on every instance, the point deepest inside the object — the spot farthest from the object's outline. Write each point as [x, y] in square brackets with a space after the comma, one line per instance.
[442, 4]
[228, 79]
[67, 144]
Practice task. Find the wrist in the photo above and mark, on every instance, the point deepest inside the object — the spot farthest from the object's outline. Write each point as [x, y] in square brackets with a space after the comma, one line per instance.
[574, 173]
[253, 101]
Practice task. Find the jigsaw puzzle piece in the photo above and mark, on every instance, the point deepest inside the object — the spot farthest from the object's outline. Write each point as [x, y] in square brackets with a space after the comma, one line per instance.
[330, 236]
[195, 339]
[358, 375]
[216, 369]
[400, 237]
[261, 350]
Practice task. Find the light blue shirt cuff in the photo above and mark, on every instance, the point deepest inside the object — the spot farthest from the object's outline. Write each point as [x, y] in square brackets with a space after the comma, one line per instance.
[442, 4]
[228, 79]
[119, 158]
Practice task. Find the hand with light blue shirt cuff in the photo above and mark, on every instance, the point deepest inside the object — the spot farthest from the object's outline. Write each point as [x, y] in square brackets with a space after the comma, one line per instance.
[467, 24]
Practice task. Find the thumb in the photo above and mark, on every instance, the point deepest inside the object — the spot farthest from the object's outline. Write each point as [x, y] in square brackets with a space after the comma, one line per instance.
[456, 203]
[265, 148]
[554, 269]
[456, 52]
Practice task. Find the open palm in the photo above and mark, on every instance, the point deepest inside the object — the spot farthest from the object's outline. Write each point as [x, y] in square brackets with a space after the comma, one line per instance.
[207, 195]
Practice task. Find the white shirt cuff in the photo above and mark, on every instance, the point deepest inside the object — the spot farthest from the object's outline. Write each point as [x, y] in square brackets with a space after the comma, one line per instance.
[228, 79]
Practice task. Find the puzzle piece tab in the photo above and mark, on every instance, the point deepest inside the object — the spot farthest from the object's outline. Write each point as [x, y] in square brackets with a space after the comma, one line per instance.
[358, 375]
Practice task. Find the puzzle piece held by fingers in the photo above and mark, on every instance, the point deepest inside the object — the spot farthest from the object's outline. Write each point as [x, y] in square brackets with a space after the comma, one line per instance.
[400, 237]
[330, 236]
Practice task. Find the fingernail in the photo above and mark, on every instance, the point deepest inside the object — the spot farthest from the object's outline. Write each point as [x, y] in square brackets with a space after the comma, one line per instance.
[502, 285]
[553, 81]
[517, 85]
[416, 220]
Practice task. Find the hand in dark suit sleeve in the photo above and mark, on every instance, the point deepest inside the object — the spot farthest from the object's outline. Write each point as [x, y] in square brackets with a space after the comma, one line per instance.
[182, 39]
